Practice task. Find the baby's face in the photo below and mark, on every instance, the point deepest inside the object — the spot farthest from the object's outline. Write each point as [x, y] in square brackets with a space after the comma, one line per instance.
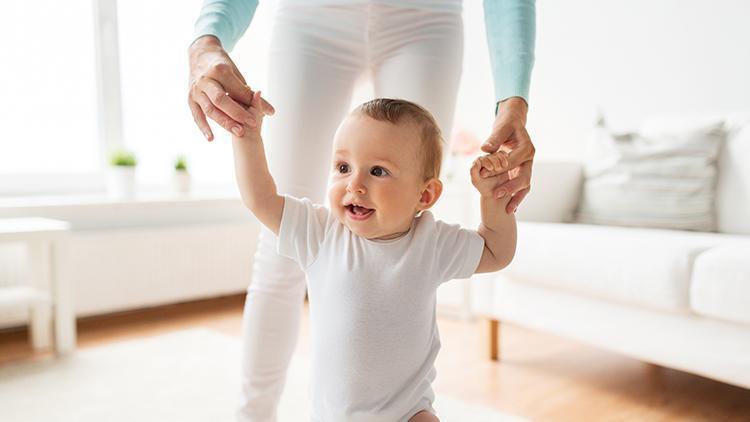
[377, 181]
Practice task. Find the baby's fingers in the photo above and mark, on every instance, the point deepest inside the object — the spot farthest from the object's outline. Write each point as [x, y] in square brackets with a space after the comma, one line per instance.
[499, 160]
[476, 166]
[494, 162]
[487, 164]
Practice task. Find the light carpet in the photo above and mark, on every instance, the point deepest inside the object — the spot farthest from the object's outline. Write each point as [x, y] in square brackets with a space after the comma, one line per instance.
[185, 376]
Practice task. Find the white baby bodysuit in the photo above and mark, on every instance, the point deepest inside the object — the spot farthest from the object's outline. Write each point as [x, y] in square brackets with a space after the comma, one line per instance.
[372, 309]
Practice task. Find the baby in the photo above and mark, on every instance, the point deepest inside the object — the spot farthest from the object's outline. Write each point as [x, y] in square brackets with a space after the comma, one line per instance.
[375, 256]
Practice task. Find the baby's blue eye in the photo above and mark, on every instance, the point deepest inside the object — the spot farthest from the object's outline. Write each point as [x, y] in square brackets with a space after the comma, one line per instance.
[379, 172]
[343, 168]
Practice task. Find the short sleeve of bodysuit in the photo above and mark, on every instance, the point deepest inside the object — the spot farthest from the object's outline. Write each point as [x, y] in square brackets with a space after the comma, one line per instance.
[457, 251]
[302, 230]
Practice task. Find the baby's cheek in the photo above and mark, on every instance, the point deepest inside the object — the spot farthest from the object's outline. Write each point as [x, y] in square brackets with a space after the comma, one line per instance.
[335, 196]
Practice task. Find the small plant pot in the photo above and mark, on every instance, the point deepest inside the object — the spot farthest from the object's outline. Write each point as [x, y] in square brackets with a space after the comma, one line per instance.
[181, 181]
[121, 182]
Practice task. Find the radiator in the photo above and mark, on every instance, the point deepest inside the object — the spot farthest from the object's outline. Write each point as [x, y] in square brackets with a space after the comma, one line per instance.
[130, 268]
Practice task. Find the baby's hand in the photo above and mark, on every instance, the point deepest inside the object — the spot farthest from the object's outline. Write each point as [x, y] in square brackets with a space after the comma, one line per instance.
[255, 109]
[490, 162]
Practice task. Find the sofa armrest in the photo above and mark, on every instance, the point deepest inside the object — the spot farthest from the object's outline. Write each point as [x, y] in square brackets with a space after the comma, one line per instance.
[555, 190]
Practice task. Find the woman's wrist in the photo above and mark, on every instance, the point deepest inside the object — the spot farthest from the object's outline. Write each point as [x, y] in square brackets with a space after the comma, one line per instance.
[514, 102]
[514, 106]
[203, 42]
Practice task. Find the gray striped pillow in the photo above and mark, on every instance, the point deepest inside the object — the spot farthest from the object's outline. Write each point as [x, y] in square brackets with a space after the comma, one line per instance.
[662, 179]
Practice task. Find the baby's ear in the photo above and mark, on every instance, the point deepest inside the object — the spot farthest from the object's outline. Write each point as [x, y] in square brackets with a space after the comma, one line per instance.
[430, 193]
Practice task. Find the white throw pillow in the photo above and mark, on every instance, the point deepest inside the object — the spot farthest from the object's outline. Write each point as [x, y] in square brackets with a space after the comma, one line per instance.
[653, 178]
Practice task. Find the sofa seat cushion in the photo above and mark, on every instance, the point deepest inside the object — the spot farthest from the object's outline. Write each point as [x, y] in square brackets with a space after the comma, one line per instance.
[720, 285]
[647, 267]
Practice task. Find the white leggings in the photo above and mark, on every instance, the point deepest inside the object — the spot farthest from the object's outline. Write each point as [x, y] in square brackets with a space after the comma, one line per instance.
[317, 55]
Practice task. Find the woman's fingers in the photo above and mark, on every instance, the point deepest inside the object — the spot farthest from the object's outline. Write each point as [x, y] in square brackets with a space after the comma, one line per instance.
[200, 119]
[238, 89]
[233, 83]
[218, 116]
[219, 98]
[516, 184]
[516, 200]
[497, 138]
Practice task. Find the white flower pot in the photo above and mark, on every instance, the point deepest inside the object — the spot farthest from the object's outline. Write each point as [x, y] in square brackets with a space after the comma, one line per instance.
[121, 182]
[181, 181]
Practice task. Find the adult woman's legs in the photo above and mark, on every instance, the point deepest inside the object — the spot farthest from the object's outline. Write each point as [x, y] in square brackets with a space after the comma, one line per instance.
[417, 55]
[316, 56]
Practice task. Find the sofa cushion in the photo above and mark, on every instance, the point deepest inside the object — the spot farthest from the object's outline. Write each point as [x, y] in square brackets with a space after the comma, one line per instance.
[733, 184]
[721, 283]
[660, 178]
[647, 267]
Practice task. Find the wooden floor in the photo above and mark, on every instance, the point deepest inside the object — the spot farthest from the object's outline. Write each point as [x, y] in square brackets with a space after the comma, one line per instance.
[540, 376]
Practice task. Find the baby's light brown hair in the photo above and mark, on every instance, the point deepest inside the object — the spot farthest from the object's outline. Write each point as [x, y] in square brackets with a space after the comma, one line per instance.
[397, 111]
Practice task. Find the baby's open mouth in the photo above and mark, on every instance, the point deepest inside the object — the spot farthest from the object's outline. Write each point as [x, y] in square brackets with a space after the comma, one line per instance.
[357, 212]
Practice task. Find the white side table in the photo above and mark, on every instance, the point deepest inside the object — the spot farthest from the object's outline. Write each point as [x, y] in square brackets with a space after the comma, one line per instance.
[48, 294]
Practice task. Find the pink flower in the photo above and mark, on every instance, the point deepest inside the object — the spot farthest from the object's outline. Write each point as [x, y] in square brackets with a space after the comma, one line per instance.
[464, 142]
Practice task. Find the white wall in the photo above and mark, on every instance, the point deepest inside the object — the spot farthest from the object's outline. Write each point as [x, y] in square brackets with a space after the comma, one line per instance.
[630, 59]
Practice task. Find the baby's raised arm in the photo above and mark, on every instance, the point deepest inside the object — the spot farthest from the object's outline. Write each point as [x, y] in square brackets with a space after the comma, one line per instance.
[498, 227]
[256, 184]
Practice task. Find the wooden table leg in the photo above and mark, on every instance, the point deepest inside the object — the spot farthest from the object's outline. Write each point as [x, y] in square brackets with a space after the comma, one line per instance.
[492, 339]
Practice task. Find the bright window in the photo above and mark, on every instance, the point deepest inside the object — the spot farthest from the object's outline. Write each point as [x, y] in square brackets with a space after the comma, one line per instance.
[47, 112]
[157, 123]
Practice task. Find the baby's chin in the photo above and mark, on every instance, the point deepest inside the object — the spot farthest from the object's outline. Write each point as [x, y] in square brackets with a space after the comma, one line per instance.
[356, 229]
[369, 232]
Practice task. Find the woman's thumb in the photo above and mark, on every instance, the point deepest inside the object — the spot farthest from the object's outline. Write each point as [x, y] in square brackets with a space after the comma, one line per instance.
[497, 138]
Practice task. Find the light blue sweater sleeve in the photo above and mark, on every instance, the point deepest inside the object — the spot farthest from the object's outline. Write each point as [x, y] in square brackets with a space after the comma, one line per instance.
[225, 19]
[511, 31]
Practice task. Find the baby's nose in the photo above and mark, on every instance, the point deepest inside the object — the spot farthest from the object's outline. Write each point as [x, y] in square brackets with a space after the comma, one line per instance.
[356, 186]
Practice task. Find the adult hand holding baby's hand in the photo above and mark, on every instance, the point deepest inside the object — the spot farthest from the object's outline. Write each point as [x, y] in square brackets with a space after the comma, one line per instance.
[218, 90]
[510, 136]
[487, 184]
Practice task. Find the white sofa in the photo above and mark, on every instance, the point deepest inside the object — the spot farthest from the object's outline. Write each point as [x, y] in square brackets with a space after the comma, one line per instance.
[678, 299]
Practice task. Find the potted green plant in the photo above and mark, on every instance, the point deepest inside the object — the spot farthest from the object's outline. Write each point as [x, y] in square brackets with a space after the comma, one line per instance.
[181, 178]
[121, 174]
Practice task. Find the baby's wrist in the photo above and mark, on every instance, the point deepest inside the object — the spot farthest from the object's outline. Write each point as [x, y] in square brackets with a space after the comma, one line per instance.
[249, 136]
[251, 132]
[485, 194]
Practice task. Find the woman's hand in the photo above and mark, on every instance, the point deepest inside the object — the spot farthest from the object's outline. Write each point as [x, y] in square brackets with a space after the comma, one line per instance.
[509, 135]
[218, 90]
